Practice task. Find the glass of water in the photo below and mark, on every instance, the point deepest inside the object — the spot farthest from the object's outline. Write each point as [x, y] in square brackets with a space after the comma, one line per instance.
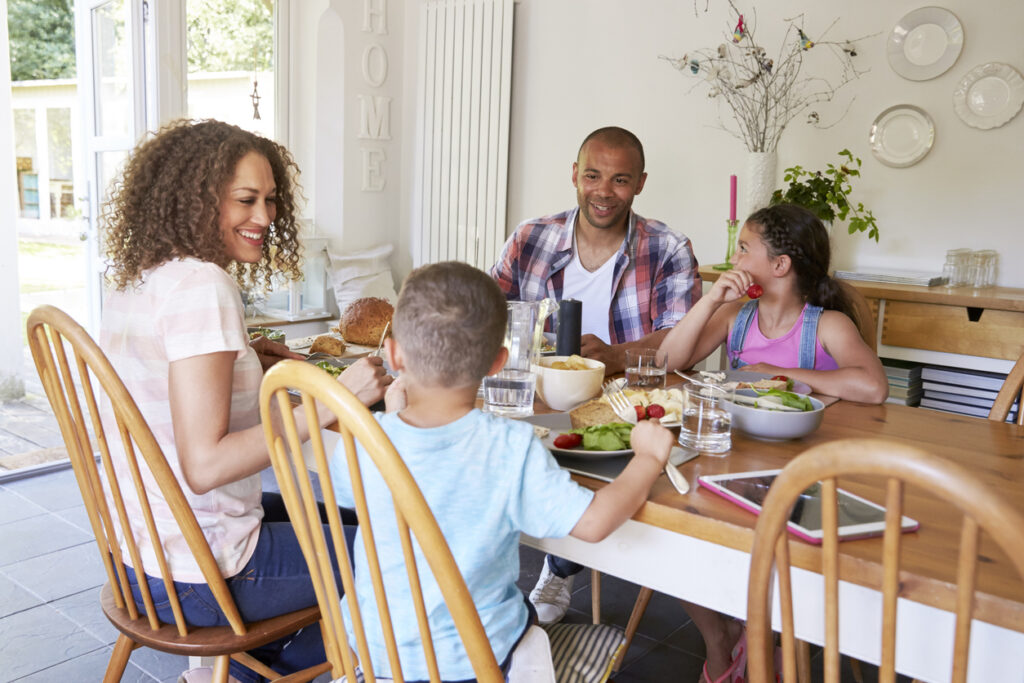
[509, 393]
[707, 422]
[646, 368]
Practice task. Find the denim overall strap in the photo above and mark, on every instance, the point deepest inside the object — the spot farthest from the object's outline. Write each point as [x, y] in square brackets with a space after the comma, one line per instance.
[809, 336]
[739, 332]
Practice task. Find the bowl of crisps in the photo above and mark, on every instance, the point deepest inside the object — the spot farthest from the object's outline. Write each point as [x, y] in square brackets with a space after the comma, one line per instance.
[563, 382]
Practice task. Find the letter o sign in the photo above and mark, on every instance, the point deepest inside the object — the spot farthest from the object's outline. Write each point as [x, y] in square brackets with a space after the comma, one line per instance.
[375, 65]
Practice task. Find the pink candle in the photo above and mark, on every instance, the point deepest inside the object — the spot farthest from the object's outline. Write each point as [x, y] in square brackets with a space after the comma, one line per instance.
[732, 198]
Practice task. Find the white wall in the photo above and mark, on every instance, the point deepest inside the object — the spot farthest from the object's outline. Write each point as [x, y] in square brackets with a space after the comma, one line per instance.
[582, 65]
[327, 77]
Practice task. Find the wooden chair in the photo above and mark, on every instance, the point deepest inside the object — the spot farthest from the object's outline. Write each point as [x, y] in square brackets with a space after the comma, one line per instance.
[65, 377]
[1010, 392]
[356, 424]
[900, 464]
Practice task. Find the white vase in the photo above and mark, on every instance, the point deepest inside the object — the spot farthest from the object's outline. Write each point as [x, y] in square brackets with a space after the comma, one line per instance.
[760, 179]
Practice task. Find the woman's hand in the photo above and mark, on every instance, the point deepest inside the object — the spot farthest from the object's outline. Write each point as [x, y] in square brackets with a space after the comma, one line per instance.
[270, 352]
[366, 379]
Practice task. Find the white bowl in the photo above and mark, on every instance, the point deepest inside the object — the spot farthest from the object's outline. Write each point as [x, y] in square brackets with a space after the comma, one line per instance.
[774, 425]
[565, 389]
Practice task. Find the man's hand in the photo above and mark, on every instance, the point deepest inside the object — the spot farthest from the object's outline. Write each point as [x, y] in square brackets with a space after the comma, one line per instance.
[270, 352]
[650, 439]
[613, 357]
[366, 379]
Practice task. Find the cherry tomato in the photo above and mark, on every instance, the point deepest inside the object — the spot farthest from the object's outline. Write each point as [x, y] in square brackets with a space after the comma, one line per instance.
[568, 440]
[755, 290]
[780, 378]
[641, 414]
[655, 412]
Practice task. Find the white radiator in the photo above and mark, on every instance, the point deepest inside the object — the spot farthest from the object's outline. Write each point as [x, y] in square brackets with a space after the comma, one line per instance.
[466, 63]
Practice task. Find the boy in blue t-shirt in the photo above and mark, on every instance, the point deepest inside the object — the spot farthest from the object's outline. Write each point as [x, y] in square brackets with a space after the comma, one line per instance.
[486, 478]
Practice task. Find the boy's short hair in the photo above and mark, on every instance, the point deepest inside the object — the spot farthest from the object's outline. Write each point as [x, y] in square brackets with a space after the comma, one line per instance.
[450, 323]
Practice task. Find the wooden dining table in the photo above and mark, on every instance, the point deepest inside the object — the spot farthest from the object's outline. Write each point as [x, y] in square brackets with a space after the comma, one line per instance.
[696, 546]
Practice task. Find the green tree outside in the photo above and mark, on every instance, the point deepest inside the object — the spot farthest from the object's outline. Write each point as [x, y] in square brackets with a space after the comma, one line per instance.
[42, 38]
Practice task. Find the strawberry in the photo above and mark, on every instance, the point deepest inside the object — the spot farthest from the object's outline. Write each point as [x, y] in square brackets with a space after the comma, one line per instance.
[755, 290]
[641, 414]
[655, 412]
[568, 440]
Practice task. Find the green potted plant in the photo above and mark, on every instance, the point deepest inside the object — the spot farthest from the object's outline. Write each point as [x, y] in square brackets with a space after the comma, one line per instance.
[827, 194]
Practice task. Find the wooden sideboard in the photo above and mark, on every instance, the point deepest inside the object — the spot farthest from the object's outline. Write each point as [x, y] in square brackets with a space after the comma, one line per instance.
[981, 329]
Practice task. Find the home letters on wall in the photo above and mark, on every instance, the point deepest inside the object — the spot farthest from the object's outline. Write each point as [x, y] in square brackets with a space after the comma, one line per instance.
[374, 110]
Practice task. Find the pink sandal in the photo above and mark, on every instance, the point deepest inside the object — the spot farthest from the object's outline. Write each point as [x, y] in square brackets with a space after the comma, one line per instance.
[736, 673]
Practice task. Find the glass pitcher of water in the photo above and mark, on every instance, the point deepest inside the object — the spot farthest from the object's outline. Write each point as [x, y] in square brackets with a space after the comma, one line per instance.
[510, 392]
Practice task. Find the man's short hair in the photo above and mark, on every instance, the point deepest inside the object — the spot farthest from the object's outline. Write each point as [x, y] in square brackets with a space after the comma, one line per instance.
[450, 323]
[617, 137]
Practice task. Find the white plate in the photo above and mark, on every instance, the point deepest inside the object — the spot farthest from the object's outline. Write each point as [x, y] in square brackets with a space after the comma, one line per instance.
[748, 376]
[989, 95]
[902, 135]
[559, 423]
[925, 43]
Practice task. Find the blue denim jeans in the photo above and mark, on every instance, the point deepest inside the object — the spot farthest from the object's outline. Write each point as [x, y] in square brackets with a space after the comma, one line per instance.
[562, 567]
[275, 581]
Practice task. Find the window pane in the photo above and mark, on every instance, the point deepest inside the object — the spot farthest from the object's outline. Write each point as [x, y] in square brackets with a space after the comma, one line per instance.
[26, 163]
[112, 56]
[231, 62]
[62, 189]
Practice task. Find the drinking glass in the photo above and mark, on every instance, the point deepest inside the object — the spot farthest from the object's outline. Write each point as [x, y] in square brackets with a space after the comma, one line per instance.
[646, 368]
[707, 422]
[509, 393]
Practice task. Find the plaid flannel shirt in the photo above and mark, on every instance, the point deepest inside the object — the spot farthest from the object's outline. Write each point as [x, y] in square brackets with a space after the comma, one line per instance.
[654, 285]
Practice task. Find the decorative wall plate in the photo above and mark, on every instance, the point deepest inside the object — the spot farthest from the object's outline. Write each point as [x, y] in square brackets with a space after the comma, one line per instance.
[989, 95]
[902, 135]
[925, 43]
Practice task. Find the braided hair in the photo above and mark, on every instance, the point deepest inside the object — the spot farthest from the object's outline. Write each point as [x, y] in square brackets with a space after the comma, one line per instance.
[791, 230]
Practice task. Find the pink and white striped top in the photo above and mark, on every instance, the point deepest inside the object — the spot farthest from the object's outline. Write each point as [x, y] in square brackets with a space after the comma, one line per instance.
[182, 309]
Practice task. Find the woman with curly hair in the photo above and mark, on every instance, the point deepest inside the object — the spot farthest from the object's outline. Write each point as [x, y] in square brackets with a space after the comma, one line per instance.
[202, 208]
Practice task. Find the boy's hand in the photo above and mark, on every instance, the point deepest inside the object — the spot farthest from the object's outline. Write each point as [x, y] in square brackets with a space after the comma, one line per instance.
[395, 398]
[652, 440]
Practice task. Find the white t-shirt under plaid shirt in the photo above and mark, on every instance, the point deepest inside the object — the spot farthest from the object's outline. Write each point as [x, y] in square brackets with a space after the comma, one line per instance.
[182, 309]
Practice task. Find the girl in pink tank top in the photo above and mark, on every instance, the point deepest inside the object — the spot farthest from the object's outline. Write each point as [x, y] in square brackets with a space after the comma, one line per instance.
[801, 324]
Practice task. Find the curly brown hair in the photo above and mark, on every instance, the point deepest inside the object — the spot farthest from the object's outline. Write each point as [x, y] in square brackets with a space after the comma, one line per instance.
[165, 205]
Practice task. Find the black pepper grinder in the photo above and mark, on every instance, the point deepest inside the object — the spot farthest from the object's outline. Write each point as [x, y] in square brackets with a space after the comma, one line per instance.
[567, 340]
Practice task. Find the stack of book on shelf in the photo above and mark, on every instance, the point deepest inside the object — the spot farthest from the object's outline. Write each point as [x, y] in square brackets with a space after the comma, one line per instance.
[968, 392]
[904, 381]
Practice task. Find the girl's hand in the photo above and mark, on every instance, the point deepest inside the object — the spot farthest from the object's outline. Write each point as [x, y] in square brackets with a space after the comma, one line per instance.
[366, 379]
[270, 352]
[730, 286]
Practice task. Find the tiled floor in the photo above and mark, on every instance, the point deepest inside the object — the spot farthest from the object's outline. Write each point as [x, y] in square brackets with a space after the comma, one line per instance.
[51, 627]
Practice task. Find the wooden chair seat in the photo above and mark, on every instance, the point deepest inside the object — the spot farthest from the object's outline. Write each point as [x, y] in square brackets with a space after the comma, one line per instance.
[87, 379]
[208, 641]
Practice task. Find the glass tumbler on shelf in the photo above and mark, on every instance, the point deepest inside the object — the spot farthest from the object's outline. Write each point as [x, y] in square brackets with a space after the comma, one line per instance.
[983, 268]
[956, 270]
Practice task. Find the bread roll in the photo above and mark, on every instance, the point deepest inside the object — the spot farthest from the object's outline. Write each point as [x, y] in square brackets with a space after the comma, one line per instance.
[595, 412]
[364, 321]
[326, 343]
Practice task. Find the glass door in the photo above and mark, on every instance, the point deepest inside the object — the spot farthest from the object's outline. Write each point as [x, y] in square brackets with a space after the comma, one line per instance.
[111, 70]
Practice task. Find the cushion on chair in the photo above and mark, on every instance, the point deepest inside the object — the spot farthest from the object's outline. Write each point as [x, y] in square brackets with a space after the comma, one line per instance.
[531, 660]
[360, 274]
[584, 653]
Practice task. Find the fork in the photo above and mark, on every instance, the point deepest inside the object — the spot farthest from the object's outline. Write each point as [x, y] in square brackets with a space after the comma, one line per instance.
[625, 410]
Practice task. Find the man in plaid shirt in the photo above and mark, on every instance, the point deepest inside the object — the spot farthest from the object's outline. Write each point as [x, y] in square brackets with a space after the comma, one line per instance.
[635, 277]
